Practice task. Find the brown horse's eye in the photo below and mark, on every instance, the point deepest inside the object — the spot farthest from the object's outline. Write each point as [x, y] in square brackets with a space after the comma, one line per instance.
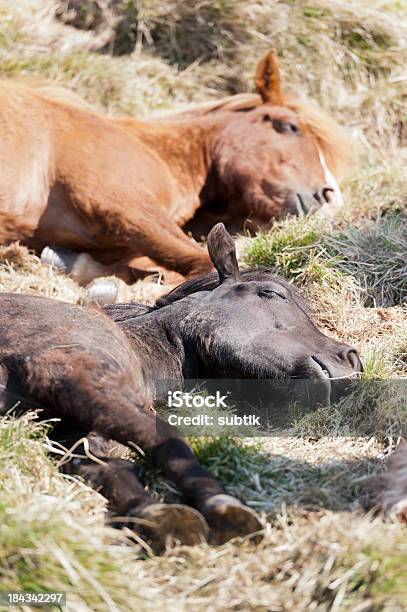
[285, 127]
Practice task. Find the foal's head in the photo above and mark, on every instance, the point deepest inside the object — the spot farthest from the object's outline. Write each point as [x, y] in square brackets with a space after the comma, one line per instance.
[277, 155]
[258, 328]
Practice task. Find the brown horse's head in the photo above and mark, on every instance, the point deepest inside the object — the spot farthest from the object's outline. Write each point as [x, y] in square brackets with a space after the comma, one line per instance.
[280, 155]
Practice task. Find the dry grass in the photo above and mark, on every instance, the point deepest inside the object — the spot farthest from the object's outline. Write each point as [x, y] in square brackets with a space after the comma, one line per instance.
[321, 551]
[22, 272]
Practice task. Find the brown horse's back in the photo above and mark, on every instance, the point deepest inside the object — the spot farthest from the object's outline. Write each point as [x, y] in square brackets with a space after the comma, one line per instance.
[120, 189]
[26, 156]
[68, 173]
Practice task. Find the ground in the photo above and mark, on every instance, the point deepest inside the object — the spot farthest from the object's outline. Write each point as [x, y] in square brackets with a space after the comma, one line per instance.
[326, 547]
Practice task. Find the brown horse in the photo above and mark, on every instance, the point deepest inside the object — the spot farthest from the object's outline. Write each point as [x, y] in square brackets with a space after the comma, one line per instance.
[119, 189]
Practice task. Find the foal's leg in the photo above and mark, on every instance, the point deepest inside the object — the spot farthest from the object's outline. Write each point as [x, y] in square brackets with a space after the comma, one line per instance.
[118, 480]
[164, 242]
[104, 399]
[226, 516]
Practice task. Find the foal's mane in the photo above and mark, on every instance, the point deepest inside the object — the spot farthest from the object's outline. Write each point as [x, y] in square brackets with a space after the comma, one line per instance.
[208, 282]
[331, 137]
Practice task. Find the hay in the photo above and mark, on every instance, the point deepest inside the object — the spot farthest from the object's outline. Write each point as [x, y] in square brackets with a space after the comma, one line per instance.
[23, 272]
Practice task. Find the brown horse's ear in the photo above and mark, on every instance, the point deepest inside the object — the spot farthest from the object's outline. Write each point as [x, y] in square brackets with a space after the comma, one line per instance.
[222, 251]
[268, 79]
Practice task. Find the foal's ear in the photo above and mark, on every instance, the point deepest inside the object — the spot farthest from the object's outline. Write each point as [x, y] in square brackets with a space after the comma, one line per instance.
[267, 79]
[222, 251]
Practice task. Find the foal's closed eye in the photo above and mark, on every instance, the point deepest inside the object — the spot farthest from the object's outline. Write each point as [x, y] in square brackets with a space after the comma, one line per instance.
[271, 294]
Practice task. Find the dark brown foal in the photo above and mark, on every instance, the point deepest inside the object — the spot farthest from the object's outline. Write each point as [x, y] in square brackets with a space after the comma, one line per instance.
[99, 373]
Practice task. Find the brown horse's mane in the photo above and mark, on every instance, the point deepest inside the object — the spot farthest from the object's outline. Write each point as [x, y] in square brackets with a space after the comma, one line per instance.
[331, 137]
[58, 93]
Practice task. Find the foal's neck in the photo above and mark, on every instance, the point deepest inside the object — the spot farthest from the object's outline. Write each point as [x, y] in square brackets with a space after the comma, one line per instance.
[157, 342]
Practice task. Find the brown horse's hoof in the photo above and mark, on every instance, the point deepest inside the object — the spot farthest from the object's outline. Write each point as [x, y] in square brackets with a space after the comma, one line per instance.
[165, 524]
[228, 518]
[62, 259]
[107, 290]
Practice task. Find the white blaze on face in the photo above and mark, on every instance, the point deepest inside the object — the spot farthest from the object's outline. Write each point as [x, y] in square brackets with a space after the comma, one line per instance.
[330, 181]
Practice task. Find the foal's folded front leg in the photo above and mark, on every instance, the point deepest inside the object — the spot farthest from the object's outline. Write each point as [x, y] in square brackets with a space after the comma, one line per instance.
[118, 480]
[227, 517]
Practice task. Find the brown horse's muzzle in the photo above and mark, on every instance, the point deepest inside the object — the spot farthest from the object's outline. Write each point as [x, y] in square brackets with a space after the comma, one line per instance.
[305, 202]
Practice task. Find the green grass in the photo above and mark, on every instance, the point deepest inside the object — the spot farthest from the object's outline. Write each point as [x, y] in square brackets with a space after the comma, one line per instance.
[375, 255]
[372, 409]
[310, 250]
[295, 249]
[230, 459]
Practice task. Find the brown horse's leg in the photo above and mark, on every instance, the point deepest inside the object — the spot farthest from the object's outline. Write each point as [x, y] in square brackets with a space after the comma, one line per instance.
[159, 238]
[165, 243]
[161, 242]
[83, 267]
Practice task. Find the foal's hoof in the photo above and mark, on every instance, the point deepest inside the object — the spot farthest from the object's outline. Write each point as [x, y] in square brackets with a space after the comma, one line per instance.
[228, 518]
[163, 524]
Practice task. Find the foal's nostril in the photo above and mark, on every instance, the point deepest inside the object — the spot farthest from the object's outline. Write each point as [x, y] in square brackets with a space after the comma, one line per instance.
[351, 358]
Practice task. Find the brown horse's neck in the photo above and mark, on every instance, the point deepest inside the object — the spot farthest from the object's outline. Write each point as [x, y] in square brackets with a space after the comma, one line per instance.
[186, 146]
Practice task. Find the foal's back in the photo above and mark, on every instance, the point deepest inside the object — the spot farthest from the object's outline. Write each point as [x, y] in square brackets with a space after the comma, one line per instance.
[56, 352]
